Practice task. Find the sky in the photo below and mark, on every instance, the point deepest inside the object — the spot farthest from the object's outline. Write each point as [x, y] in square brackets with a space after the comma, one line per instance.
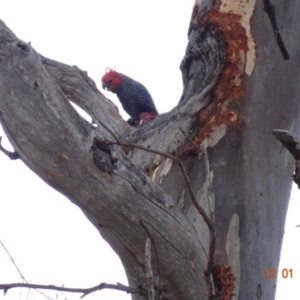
[49, 238]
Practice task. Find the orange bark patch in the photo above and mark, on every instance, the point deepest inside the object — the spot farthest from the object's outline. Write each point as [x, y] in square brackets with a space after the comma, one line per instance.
[225, 278]
[228, 90]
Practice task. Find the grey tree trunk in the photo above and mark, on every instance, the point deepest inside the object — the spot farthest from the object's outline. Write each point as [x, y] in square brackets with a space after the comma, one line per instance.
[212, 200]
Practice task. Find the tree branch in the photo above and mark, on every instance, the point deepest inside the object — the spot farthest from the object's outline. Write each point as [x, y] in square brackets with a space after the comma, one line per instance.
[269, 8]
[291, 142]
[183, 171]
[11, 258]
[175, 159]
[85, 292]
[19, 271]
[55, 141]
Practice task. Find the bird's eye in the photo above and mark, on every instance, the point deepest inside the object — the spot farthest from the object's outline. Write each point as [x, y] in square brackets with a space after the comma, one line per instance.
[110, 80]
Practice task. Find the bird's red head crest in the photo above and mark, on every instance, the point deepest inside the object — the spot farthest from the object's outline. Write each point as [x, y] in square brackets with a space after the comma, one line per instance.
[111, 80]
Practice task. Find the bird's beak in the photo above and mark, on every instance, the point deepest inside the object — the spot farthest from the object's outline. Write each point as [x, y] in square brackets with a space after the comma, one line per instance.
[105, 86]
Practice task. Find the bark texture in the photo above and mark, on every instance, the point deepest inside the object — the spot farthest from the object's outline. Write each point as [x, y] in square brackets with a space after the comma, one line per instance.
[132, 195]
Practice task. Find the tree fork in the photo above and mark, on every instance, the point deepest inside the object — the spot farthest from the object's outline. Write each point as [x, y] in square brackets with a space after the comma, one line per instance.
[54, 141]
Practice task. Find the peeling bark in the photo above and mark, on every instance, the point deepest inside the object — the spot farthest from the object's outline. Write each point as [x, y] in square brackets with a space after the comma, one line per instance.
[132, 195]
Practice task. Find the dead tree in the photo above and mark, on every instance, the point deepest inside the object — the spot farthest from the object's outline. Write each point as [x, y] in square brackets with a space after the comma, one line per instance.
[206, 185]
